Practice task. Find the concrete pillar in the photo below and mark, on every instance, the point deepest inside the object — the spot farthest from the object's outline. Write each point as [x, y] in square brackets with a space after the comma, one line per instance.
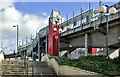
[86, 44]
[22, 55]
[32, 52]
[39, 55]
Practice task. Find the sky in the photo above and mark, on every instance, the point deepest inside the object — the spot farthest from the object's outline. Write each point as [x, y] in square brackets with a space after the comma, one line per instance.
[33, 16]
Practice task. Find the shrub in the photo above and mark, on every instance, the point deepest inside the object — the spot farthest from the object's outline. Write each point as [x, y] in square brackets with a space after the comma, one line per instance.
[93, 63]
[116, 60]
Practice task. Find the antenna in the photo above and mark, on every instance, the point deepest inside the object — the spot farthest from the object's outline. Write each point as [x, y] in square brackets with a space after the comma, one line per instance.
[100, 2]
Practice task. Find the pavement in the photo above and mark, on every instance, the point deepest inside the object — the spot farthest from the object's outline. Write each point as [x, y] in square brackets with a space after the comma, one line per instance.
[0, 68]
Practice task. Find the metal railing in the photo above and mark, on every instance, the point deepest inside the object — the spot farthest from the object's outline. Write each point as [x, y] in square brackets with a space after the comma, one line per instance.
[87, 17]
[33, 66]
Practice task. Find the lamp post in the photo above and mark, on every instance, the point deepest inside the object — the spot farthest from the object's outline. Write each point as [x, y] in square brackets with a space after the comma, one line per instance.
[57, 18]
[17, 37]
[112, 11]
[60, 31]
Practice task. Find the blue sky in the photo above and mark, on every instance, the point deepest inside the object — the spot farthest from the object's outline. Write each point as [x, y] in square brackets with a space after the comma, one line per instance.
[66, 8]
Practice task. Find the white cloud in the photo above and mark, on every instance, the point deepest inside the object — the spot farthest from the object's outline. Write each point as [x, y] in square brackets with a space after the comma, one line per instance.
[5, 42]
[44, 13]
[28, 24]
[13, 42]
[6, 3]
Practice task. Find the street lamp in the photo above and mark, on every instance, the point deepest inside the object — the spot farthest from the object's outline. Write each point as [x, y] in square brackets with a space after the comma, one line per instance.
[17, 37]
[60, 31]
[57, 18]
[112, 11]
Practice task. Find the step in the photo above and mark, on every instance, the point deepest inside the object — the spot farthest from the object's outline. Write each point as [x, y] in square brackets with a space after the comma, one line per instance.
[17, 68]
[13, 62]
[12, 65]
[45, 70]
[40, 64]
[14, 72]
[9, 62]
[8, 72]
[17, 74]
[24, 76]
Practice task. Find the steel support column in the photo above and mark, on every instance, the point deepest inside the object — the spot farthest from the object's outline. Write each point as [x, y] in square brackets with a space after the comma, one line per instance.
[46, 43]
[39, 55]
[32, 53]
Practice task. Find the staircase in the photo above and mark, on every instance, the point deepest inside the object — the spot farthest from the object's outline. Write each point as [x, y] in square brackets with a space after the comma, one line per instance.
[15, 68]
[43, 69]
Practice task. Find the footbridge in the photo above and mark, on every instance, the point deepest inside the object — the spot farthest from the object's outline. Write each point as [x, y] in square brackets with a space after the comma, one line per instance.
[89, 26]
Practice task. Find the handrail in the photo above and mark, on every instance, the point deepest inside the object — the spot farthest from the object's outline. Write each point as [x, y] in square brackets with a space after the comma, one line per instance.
[38, 70]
